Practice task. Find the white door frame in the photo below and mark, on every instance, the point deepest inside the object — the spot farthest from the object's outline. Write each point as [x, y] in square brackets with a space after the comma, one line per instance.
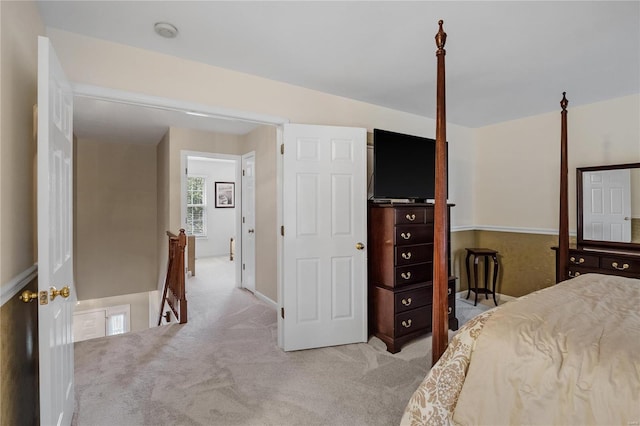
[184, 155]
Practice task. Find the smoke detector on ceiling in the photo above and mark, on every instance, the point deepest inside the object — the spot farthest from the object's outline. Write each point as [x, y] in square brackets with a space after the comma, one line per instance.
[165, 29]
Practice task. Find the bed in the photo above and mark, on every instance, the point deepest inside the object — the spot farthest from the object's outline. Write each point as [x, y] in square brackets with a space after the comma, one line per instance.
[568, 354]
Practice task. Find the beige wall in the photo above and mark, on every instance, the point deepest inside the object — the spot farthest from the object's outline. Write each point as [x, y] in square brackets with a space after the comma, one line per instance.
[263, 141]
[101, 63]
[20, 24]
[19, 29]
[116, 213]
[517, 182]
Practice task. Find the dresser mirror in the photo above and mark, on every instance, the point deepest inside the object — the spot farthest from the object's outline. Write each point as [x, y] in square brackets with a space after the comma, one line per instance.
[608, 206]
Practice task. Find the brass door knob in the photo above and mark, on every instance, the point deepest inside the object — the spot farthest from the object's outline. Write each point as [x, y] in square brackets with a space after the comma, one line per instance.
[27, 296]
[360, 246]
[64, 292]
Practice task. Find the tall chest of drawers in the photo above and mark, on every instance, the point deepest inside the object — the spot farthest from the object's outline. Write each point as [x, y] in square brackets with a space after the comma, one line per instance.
[401, 272]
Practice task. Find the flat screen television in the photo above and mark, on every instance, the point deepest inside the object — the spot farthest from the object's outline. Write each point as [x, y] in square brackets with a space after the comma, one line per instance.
[403, 166]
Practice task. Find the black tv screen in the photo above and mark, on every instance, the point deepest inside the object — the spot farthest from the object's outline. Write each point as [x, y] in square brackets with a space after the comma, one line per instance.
[403, 166]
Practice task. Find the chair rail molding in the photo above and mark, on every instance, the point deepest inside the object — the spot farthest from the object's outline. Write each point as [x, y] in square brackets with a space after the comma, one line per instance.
[17, 283]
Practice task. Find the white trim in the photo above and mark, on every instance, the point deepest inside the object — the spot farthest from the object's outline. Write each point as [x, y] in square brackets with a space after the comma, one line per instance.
[17, 283]
[544, 231]
[463, 228]
[266, 300]
[192, 108]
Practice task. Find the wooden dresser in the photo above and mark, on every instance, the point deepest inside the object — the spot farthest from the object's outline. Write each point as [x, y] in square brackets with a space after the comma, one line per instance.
[400, 267]
[603, 261]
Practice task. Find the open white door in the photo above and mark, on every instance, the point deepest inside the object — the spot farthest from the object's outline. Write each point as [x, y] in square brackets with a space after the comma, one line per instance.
[249, 221]
[607, 205]
[55, 238]
[325, 230]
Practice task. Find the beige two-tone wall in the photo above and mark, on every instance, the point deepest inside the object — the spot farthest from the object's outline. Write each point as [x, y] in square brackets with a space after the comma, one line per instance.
[20, 25]
[517, 182]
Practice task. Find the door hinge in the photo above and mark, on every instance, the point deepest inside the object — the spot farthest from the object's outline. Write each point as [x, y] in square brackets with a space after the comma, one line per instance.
[282, 230]
[242, 172]
[186, 171]
[243, 266]
[282, 312]
[242, 219]
[282, 149]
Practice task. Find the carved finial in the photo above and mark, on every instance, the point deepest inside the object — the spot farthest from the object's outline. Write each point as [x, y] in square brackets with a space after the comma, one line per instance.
[441, 37]
[564, 102]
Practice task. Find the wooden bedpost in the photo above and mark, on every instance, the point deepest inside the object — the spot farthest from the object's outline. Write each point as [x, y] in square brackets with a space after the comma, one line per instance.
[563, 229]
[440, 324]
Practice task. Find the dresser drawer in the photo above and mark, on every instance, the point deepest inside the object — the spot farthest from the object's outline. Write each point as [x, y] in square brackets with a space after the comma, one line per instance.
[413, 234]
[406, 255]
[413, 320]
[411, 299]
[415, 273]
[584, 260]
[620, 264]
[410, 215]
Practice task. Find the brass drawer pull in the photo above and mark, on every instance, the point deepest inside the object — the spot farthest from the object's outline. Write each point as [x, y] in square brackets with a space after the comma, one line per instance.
[406, 302]
[579, 261]
[449, 310]
[406, 236]
[406, 324]
[574, 274]
[406, 275]
[411, 217]
[406, 255]
[624, 266]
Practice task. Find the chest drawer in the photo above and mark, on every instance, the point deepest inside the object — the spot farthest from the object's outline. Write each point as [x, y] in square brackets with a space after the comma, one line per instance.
[584, 260]
[415, 273]
[620, 264]
[413, 234]
[413, 320]
[405, 255]
[407, 300]
[410, 215]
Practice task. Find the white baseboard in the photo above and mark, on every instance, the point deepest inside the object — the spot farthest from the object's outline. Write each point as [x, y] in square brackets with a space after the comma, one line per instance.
[266, 300]
[17, 283]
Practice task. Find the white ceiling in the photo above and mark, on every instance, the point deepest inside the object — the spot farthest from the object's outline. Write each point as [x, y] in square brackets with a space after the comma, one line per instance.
[505, 60]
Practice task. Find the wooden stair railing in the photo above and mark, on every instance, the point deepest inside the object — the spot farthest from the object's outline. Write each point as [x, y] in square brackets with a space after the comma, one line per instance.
[174, 292]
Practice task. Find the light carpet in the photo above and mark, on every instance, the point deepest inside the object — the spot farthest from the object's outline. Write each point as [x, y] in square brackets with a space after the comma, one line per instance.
[224, 368]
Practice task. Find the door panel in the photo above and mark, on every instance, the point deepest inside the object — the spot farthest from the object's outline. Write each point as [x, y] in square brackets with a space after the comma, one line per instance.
[607, 205]
[248, 278]
[55, 238]
[324, 214]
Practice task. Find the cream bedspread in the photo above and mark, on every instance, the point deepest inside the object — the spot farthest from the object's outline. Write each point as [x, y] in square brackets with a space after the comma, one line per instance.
[569, 354]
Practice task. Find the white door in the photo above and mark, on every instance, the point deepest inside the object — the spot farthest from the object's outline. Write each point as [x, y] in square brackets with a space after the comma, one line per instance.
[55, 242]
[607, 205]
[249, 221]
[325, 228]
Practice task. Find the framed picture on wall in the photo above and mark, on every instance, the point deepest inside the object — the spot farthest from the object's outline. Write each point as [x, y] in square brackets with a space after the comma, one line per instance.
[225, 195]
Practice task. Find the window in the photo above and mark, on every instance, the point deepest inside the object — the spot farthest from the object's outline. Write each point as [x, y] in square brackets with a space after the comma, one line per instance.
[196, 206]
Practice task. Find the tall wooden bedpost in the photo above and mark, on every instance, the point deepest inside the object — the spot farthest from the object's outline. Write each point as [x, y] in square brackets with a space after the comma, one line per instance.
[563, 231]
[440, 325]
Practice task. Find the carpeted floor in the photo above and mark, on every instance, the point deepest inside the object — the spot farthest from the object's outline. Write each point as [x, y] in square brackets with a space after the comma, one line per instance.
[224, 368]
